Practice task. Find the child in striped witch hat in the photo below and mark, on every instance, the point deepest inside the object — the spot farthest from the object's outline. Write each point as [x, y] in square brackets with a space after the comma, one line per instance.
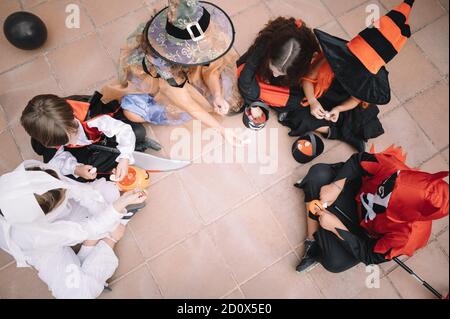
[349, 79]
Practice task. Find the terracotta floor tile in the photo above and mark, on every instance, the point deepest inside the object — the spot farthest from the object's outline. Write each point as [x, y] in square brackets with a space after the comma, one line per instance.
[288, 206]
[10, 159]
[5, 259]
[8, 7]
[259, 15]
[431, 264]
[445, 154]
[433, 40]
[116, 9]
[443, 241]
[404, 81]
[342, 285]
[281, 281]
[430, 110]
[385, 291]
[436, 164]
[128, 253]
[18, 86]
[22, 283]
[445, 4]
[235, 294]
[384, 109]
[3, 121]
[168, 217]
[114, 35]
[210, 198]
[31, 3]
[354, 21]
[334, 28]
[249, 238]
[73, 78]
[269, 155]
[337, 8]
[155, 5]
[23, 141]
[423, 13]
[439, 225]
[389, 266]
[137, 285]
[54, 15]
[314, 13]
[407, 134]
[200, 271]
[233, 7]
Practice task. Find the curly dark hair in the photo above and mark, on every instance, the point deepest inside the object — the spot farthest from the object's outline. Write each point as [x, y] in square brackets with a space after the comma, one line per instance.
[288, 47]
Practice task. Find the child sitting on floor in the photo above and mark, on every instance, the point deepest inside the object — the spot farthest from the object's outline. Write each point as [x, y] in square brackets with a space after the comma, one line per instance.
[62, 129]
[43, 214]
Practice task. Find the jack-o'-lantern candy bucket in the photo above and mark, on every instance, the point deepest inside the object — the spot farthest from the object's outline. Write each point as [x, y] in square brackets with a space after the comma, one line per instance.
[307, 148]
[137, 178]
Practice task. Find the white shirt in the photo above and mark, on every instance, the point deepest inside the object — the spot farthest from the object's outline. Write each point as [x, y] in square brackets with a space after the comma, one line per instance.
[110, 127]
[83, 215]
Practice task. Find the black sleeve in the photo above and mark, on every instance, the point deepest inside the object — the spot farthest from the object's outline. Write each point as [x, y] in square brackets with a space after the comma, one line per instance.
[247, 83]
[352, 168]
[361, 248]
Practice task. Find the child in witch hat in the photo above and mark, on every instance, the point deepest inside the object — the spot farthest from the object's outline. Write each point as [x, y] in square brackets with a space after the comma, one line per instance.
[272, 68]
[369, 209]
[345, 85]
[184, 58]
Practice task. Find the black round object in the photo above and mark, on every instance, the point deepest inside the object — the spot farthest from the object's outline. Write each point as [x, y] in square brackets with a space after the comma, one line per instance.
[25, 30]
[246, 117]
[316, 144]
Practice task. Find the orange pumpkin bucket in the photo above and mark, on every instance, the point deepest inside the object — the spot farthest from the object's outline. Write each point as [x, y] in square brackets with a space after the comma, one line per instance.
[136, 178]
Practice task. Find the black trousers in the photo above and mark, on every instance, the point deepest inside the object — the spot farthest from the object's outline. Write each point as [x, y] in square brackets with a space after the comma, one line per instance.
[330, 251]
[105, 162]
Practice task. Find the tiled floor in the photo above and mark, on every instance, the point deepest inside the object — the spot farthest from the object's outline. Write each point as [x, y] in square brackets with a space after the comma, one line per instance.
[225, 230]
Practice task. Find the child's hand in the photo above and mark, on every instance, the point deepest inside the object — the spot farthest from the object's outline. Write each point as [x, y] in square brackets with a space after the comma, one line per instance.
[329, 221]
[317, 110]
[136, 196]
[221, 106]
[121, 171]
[334, 114]
[86, 171]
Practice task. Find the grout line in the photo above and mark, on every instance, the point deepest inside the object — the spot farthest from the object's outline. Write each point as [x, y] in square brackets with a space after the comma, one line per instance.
[154, 279]
[7, 265]
[224, 261]
[265, 268]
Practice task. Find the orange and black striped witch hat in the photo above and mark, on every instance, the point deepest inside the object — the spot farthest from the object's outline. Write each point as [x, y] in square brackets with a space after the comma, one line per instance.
[359, 65]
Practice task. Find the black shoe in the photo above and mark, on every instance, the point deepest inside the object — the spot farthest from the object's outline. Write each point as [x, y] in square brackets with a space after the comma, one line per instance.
[131, 211]
[148, 143]
[308, 261]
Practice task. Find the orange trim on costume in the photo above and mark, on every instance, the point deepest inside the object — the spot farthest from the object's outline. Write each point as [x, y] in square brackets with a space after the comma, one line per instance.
[272, 95]
[80, 109]
[392, 33]
[325, 77]
[366, 54]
